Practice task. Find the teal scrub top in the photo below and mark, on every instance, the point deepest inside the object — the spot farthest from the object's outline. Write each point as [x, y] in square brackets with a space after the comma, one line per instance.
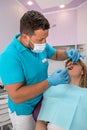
[65, 106]
[20, 64]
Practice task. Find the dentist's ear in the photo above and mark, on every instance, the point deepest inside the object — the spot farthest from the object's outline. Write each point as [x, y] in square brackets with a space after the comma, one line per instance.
[23, 35]
[24, 38]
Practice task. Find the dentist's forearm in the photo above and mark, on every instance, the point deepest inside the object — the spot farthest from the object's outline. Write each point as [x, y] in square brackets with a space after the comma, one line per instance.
[23, 93]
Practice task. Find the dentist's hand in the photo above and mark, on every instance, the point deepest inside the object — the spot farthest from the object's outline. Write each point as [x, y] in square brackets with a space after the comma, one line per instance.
[74, 55]
[59, 77]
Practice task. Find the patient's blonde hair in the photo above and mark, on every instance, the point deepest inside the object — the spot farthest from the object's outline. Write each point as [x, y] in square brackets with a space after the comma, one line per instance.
[83, 81]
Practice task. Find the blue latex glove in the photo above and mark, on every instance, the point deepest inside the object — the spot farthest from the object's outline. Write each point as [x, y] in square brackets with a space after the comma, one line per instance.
[74, 55]
[59, 77]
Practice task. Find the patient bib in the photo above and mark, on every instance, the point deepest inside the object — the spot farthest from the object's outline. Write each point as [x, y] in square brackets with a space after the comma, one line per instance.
[65, 106]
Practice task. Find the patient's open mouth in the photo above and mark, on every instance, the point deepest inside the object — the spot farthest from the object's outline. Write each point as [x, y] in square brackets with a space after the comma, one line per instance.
[69, 67]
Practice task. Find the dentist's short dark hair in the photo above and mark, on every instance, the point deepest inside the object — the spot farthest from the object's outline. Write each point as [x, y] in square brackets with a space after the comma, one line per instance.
[33, 20]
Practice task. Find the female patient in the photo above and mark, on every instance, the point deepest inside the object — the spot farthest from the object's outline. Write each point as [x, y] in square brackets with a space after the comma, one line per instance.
[64, 107]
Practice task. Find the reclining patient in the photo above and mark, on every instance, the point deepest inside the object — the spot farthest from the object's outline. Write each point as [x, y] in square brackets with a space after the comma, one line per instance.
[64, 107]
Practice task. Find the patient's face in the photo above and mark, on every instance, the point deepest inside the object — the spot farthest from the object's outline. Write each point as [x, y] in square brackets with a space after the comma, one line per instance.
[74, 69]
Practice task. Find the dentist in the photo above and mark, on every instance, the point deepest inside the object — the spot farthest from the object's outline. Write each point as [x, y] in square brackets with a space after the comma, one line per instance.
[24, 67]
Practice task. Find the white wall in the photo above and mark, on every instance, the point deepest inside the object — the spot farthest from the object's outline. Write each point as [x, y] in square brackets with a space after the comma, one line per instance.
[69, 26]
[64, 31]
[55, 65]
[82, 24]
[10, 13]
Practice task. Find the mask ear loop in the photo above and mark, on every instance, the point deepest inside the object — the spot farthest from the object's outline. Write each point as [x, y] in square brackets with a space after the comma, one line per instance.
[31, 46]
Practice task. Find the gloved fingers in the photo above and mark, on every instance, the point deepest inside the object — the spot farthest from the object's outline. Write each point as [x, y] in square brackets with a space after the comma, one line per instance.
[82, 56]
[67, 79]
[64, 71]
[65, 75]
[76, 56]
[79, 56]
[58, 71]
[69, 53]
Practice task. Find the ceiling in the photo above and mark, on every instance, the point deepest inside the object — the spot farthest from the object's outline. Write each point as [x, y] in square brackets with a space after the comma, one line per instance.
[45, 6]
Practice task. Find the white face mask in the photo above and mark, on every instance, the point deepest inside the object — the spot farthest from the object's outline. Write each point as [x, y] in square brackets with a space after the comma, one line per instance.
[38, 48]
